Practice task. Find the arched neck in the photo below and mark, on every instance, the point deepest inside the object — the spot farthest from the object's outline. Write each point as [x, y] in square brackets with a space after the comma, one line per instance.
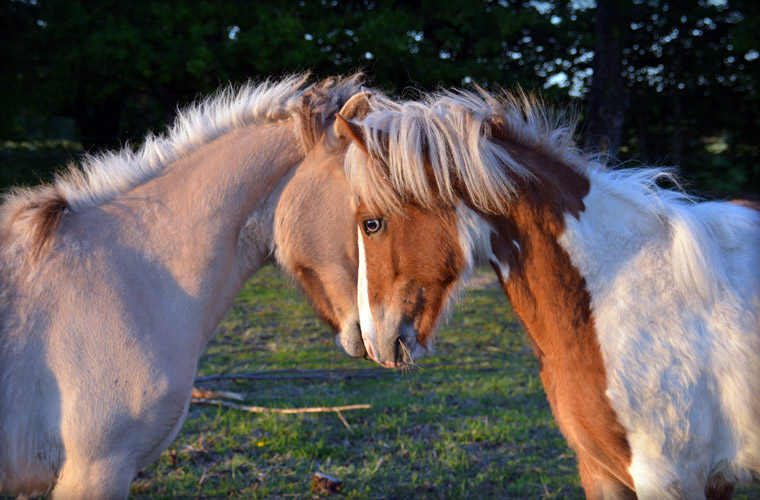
[196, 219]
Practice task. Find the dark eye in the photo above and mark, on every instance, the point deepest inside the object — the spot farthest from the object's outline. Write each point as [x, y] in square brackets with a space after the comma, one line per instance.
[371, 226]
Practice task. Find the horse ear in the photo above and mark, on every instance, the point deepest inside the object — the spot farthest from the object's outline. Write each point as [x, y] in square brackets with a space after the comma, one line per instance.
[357, 107]
[346, 130]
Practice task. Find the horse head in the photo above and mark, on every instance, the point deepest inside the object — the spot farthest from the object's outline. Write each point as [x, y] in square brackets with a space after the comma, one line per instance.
[314, 229]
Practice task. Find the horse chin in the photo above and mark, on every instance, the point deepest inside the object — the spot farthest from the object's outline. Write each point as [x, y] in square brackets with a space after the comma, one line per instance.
[349, 340]
[420, 351]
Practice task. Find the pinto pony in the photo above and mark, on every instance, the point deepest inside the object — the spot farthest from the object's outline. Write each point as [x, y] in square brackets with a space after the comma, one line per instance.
[114, 277]
[643, 305]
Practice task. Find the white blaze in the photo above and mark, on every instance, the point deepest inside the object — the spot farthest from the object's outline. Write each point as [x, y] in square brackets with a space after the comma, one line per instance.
[369, 332]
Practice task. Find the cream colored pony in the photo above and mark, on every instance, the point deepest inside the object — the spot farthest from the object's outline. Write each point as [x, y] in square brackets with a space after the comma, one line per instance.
[114, 277]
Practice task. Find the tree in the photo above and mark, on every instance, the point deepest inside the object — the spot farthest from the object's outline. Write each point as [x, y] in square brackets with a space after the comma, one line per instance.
[670, 80]
[606, 101]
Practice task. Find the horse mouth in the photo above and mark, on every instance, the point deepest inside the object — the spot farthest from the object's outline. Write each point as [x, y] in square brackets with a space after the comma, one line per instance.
[406, 350]
[350, 340]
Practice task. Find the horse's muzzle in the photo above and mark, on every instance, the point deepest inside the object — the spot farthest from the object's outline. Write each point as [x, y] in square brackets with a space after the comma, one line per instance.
[399, 347]
[349, 340]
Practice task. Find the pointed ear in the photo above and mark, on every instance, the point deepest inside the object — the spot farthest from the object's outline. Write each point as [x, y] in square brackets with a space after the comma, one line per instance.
[357, 107]
[346, 130]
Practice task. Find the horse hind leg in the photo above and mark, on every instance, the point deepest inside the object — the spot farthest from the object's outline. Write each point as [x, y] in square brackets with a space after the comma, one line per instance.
[103, 480]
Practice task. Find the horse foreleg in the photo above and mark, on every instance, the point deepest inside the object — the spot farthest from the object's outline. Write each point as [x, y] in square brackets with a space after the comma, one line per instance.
[600, 484]
[107, 471]
[106, 479]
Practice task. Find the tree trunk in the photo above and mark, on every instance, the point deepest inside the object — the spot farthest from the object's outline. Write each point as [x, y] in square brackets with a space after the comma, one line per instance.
[607, 96]
[642, 123]
[676, 158]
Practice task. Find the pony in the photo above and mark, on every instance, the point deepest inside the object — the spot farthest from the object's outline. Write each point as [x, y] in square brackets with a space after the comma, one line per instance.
[642, 303]
[115, 276]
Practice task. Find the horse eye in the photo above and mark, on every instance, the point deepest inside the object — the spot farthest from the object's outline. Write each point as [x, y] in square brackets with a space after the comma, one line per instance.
[371, 226]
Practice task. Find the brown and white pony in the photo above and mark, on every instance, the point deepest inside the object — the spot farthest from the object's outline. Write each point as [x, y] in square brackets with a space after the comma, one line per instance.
[643, 305]
[114, 277]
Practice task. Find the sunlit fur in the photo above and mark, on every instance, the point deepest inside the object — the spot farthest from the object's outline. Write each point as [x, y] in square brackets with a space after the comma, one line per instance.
[101, 332]
[675, 291]
[674, 283]
[453, 128]
[104, 175]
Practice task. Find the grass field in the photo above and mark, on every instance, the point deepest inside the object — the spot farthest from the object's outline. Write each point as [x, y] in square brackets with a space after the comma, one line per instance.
[472, 422]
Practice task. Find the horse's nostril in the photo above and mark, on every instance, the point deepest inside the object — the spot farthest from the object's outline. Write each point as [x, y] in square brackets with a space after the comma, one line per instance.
[398, 351]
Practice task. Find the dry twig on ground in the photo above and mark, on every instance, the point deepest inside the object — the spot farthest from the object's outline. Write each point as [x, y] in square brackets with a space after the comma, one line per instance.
[264, 409]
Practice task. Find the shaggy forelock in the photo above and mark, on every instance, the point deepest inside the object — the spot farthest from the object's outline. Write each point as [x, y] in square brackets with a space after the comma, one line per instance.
[447, 137]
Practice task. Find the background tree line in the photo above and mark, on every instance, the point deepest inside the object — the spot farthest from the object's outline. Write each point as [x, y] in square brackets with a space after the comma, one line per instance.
[672, 82]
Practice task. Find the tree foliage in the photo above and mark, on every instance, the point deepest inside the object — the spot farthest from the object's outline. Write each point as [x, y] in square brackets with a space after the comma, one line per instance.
[686, 71]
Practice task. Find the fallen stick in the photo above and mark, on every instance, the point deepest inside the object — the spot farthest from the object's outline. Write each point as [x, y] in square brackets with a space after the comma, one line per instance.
[206, 394]
[330, 375]
[263, 409]
[334, 374]
[342, 419]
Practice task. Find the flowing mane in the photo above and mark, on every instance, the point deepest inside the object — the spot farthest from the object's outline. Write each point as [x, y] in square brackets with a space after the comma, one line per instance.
[460, 136]
[105, 175]
[449, 136]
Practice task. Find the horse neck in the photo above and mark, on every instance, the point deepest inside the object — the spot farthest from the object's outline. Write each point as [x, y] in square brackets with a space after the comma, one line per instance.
[549, 294]
[544, 287]
[207, 217]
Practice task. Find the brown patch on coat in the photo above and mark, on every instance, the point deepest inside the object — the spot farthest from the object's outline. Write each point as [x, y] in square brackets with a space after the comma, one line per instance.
[550, 297]
[412, 286]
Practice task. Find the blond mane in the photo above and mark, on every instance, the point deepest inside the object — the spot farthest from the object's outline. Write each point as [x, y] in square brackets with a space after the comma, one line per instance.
[454, 145]
[103, 176]
[446, 137]
[456, 139]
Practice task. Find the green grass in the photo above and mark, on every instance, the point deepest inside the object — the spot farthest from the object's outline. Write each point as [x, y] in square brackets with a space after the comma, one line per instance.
[474, 423]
